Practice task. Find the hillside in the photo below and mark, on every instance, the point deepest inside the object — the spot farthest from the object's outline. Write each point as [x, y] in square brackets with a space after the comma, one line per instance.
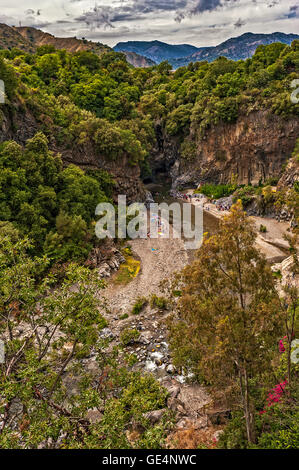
[237, 48]
[38, 38]
[29, 39]
[90, 324]
[138, 60]
[156, 50]
[11, 37]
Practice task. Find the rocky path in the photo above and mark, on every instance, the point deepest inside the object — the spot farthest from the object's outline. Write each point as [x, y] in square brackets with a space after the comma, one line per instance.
[160, 259]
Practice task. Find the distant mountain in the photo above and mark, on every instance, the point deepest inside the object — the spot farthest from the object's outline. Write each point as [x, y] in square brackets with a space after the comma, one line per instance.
[237, 48]
[142, 53]
[156, 50]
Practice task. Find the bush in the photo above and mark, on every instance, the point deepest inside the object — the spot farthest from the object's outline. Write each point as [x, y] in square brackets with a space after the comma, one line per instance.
[263, 229]
[8, 75]
[245, 194]
[144, 394]
[129, 336]
[139, 305]
[158, 302]
[215, 191]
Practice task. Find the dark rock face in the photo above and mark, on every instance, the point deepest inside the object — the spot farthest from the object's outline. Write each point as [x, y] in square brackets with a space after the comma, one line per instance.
[254, 148]
[22, 125]
[291, 174]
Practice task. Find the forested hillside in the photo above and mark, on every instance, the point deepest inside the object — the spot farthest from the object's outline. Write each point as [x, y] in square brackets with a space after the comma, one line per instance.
[77, 129]
[237, 48]
[99, 112]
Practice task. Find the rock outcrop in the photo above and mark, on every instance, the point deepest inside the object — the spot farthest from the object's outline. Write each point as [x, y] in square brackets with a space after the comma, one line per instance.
[254, 148]
[22, 125]
[290, 175]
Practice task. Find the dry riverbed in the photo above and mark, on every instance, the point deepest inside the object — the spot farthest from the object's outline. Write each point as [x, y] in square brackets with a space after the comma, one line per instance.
[160, 259]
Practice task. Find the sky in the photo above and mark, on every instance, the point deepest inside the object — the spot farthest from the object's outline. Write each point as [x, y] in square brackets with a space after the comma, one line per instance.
[196, 22]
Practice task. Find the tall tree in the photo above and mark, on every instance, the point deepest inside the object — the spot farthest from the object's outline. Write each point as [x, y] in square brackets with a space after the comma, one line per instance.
[229, 311]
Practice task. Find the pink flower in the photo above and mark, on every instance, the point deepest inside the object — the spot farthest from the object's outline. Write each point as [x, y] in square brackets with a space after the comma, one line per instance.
[281, 347]
[276, 396]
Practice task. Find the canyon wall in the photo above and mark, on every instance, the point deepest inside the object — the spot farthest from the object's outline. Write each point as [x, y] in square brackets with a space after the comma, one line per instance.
[21, 125]
[254, 148]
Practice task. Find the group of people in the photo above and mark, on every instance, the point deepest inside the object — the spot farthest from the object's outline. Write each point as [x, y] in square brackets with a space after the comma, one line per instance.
[222, 207]
[156, 219]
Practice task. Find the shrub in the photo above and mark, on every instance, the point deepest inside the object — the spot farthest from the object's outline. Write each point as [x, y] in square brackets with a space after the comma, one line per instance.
[215, 191]
[158, 302]
[139, 305]
[129, 336]
[263, 229]
[144, 394]
[245, 194]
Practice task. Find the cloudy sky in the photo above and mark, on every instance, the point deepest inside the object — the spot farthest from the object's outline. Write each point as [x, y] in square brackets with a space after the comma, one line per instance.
[197, 22]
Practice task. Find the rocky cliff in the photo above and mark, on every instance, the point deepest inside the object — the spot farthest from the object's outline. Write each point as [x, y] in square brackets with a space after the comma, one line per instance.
[20, 124]
[254, 148]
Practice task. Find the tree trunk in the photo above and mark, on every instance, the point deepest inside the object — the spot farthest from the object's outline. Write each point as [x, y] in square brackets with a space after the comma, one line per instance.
[249, 416]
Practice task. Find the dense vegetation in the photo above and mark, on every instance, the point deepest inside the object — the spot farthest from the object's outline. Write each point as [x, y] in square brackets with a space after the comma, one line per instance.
[62, 330]
[229, 322]
[85, 103]
[105, 106]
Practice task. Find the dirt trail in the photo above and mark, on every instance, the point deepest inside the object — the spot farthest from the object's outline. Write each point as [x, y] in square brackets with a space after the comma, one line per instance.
[161, 258]
[169, 256]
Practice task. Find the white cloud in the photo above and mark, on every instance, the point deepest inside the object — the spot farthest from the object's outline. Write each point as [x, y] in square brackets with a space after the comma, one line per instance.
[199, 22]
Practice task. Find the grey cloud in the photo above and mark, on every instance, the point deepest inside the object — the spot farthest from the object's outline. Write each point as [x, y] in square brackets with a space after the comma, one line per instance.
[294, 11]
[239, 23]
[107, 15]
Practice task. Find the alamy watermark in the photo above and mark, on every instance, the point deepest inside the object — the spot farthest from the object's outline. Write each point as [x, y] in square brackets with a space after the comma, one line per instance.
[295, 84]
[2, 352]
[2, 92]
[154, 221]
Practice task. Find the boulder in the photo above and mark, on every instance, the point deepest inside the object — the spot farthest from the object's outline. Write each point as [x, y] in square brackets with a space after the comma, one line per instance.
[155, 416]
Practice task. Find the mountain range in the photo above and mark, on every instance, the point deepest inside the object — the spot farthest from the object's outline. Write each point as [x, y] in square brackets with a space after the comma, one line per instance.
[142, 53]
[237, 48]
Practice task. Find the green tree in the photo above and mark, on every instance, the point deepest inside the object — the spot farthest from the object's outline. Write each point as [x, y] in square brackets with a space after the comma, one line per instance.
[230, 310]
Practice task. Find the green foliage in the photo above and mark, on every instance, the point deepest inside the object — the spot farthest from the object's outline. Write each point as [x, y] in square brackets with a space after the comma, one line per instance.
[229, 314]
[116, 143]
[143, 394]
[83, 104]
[245, 194]
[8, 75]
[263, 229]
[53, 206]
[179, 120]
[276, 429]
[188, 150]
[158, 302]
[139, 305]
[129, 336]
[47, 394]
[215, 191]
